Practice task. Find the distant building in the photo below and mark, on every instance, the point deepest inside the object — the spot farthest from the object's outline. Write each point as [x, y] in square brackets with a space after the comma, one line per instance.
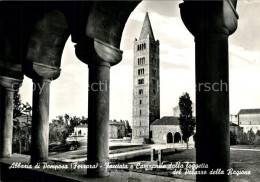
[249, 119]
[166, 130]
[81, 130]
[233, 127]
[116, 130]
[25, 118]
[234, 119]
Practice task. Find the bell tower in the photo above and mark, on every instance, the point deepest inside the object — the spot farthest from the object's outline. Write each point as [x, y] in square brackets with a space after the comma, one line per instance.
[146, 83]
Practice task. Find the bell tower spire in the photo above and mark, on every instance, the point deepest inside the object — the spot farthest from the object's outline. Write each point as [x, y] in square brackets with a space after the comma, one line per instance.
[147, 28]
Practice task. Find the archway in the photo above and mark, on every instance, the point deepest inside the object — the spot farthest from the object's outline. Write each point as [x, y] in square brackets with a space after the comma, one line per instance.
[169, 138]
[177, 137]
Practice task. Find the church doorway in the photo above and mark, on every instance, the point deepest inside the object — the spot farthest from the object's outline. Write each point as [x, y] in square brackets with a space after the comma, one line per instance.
[169, 138]
[177, 137]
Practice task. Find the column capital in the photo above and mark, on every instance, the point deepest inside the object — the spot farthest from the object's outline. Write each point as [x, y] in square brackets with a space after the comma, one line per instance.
[98, 52]
[210, 16]
[35, 70]
[9, 83]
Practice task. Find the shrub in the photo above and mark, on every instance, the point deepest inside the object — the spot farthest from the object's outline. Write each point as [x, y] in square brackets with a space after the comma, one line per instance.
[233, 138]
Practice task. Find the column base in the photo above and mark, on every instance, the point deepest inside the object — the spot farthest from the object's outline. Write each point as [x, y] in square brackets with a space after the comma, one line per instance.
[99, 172]
[6, 156]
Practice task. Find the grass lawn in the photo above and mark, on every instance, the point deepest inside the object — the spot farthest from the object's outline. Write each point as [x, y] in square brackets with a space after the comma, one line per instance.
[240, 160]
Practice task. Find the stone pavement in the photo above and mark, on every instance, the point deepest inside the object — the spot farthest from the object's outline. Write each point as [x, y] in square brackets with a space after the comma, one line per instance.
[53, 175]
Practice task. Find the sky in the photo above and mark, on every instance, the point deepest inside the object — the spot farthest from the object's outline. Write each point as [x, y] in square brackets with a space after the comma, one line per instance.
[69, 93]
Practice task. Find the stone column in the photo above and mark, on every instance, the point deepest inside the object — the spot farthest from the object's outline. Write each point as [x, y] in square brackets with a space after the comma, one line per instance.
[211, 24]
[152, 154]
[160, 156]
[41, 77]
[102, 57]
[7, 88]
[40, 120]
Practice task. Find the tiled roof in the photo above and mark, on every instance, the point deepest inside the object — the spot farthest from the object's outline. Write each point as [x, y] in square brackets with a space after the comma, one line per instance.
[116, 123]
[249, 111]
[167, 120]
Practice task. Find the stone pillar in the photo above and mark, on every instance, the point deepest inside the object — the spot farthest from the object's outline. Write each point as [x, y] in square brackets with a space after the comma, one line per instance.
[211, 23]
[160, 156]
[7, 88]
[152, 154]
[40, 120]
[102, 57]
[41, 75]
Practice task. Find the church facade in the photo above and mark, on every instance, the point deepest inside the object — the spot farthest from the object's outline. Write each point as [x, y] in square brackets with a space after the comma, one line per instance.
[146, 83]
[166, 130]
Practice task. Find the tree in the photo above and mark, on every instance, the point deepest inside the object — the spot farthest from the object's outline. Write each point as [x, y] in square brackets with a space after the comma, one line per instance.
[128, 129]
[58, 130]
[18, 107]
[186, 120]
[21, 129]
[242, 138]
[233, 138]
[257, 140]
[251, 137]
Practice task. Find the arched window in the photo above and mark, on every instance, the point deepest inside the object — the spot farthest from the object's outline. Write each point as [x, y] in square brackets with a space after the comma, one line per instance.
[144, 45]
[140, 91]
[140, 71]
[154, 92]
[140, 112]
[140, 101]
[140, 81]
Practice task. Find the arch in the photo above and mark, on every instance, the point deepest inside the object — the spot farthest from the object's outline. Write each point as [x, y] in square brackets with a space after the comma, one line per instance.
[177, 137]
[46, 41]
[169, 138]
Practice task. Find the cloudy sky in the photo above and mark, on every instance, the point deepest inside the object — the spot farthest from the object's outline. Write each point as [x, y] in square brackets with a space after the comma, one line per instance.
[69, 92]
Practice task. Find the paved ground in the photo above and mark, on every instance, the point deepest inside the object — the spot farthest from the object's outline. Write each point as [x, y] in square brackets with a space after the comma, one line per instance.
[242, 158]
[72, 175]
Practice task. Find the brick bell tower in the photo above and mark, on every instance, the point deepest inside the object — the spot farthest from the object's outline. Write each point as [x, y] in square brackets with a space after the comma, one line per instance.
[146, 83]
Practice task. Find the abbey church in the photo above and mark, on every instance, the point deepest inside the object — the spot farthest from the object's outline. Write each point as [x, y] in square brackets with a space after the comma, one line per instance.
[146, 92]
